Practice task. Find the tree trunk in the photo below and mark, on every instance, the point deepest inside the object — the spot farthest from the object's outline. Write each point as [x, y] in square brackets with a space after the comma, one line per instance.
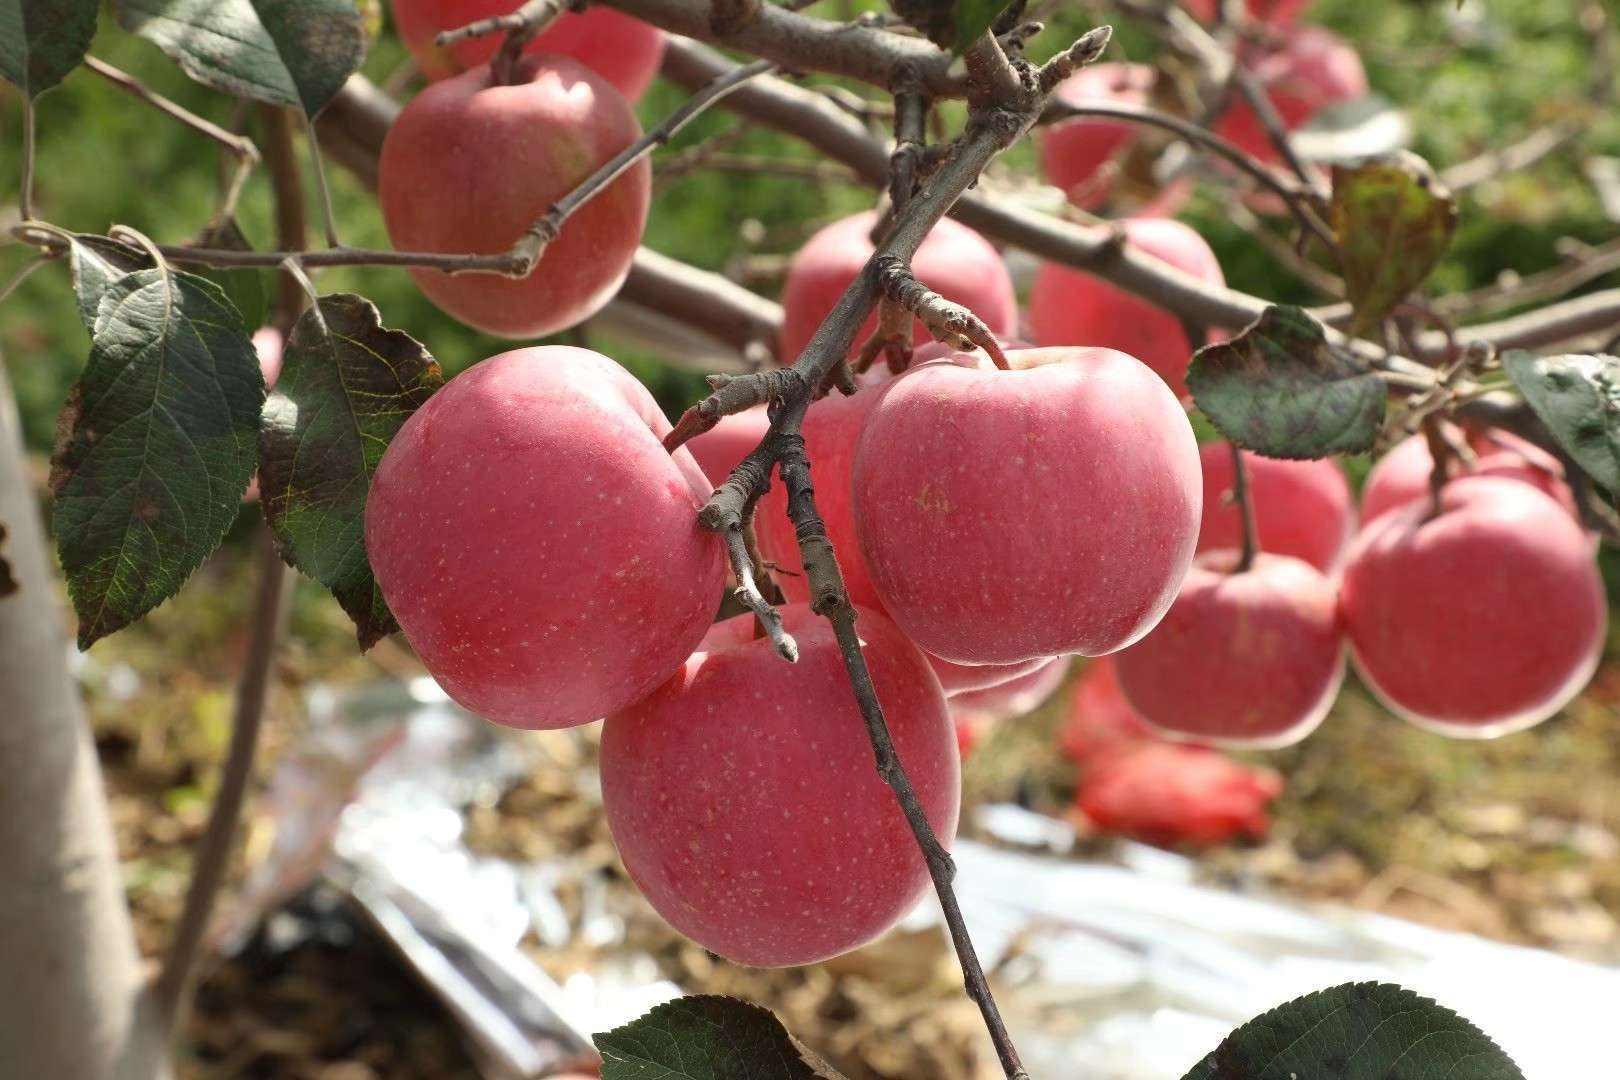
[72, 1005]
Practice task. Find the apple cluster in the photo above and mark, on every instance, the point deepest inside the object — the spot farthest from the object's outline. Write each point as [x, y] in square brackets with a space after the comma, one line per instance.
[541, 549]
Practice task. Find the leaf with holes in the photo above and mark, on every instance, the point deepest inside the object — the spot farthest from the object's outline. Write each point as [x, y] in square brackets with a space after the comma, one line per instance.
[346, 386]
[42, 40]
[1578, 398]
[154, 447]
[1358, 1030]
[284, 52]
[707, 1038]
[1393, 220]
[1280, 390]
[97, 263]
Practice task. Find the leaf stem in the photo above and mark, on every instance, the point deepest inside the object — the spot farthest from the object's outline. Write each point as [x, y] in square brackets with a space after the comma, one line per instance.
[1243, 497]
[25, 197]
[322, 191]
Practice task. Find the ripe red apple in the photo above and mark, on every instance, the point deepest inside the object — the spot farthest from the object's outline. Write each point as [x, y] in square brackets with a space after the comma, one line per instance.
[267, 344]
[743, 798]
[1274, 12]
[623, 50]
[1009, 515]
[538, 546]
[954, 261]
[1402, 475]
[1307, 71]
[1245, 660]
[1071, 307]
[1018, 695]
[1075, 151]
[470, 164]
[831, 428]
[722, 447]
[1482, 621]
[1301, 508]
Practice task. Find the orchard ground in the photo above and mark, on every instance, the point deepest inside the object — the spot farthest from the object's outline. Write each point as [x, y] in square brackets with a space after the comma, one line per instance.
[1516, 839]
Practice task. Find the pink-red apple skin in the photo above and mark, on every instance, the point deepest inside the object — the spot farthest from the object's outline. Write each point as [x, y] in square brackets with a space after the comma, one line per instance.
[538, 546]
[954, 261]
[831, 428]
[1009, 515]
[1310, 70]
[722, 447]
[623, 50]
[1249, 660]
[1481, 621]
[1074, 151]
[1301, 508]
[469, 165]
[1402, 476]
[1275, 12]
[1072, 307]
[267, 344]
[742, 797]
[1018, 695]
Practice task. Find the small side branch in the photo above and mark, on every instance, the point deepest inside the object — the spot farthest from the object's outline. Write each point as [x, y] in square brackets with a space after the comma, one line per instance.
[948, 321]
[532, 244]
[770, 620]
[1086, 49]
[1269, 119]
[239, 147]
[531, 18]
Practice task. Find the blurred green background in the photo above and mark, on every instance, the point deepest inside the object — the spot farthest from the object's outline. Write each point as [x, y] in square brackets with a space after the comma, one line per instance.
[1471, 77]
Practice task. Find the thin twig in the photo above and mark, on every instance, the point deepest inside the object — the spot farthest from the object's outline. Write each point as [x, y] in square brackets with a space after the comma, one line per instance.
[747, 591]
[1272, 122]
[532, 244]
[25, 197]
[322, 192]
[533, 16]
[1243, 498]
[23, 275]
[239, 147]
[991, 76]
[1297, 196]
[214, 849]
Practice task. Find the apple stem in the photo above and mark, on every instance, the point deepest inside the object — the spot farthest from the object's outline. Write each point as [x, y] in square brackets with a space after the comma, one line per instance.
[1441, 454]
[1243, 497]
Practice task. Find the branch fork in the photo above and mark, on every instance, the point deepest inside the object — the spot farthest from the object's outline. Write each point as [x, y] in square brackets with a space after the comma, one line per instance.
[947, 320]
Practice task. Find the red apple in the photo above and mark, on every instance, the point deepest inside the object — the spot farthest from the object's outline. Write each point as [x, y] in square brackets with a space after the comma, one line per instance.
[722, 447]
[1275, 12]
[744, 801]
[1309, 70]
[1481, 621]
[538, 546]
[1009, 515]
[1071, 307]
[1301, 508]
[267, 344]
[1018, 695]
[1402, 475]
[831, 428]
[954, 261]
[1074, 152]
[623, 50]
[1248, 660]
[470, 164]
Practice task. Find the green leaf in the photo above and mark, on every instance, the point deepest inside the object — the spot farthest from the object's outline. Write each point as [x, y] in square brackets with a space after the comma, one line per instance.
[154, 447]
[346, 386]
[1393, 220]
[284, 52]
[247, 285]
[97, 263]
[1578, 398]
[42, 40]
[973, 17]
[1357, 1031]
[707, 1038]
[1280, 390]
